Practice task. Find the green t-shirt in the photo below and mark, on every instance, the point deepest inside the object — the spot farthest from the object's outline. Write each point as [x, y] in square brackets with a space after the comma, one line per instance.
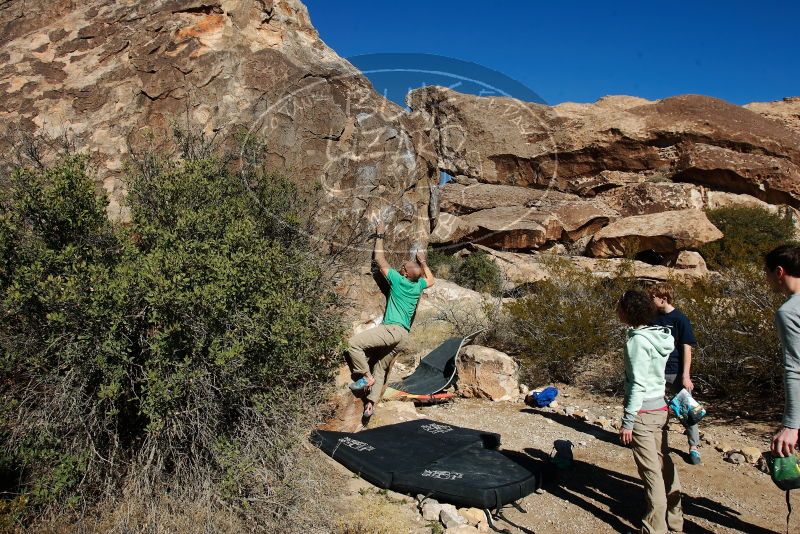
[403, 297]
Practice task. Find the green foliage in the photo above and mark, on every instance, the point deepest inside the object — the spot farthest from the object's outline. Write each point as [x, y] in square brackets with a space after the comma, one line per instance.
[749, 232]
[442, 264]
[564, 323]
[151, 349]
[566, 330]
[477, 271]
[738, 349]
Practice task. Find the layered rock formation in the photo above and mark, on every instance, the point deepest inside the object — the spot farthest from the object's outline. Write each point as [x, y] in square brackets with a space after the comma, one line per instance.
[588, 148]
[623, 177]
[114, 76]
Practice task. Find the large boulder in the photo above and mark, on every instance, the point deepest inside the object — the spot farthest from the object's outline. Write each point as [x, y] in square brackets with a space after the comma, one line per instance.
[487, 373]
[462, 199]
[510, 217]
[529, 268]
[665, 233]
[650, 197]
[573, 147]
[512, 227]
[116, 76]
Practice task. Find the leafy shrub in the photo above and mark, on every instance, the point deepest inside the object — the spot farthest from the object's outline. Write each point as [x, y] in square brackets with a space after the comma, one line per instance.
[563, 323]
[172, 351]
[738, 349]
[749, 232]
[476, 271]
[566, 330]
[479, 273]
[442, 264]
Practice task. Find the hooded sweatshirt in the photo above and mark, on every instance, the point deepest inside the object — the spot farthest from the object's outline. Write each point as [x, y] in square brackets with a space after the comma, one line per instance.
[646, 352]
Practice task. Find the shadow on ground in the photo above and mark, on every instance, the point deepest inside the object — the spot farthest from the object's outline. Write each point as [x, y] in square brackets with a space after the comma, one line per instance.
[616, 498]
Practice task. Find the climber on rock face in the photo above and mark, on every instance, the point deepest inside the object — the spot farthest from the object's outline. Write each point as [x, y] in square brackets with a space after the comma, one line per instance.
[372, 352]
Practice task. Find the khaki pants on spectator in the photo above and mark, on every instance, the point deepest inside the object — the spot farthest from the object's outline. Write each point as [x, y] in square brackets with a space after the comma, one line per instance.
[658, 473]
[380, 342]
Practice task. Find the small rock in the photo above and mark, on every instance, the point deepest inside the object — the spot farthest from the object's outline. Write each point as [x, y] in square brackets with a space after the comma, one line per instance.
[735, 457]
[581, 415]
[616, 424]
[474, 516]
[524, 389]
[462, 529]
[582, 443]
[430, 510]
[724, 447]
[554, 404]
[569, 411]
[751, 454]
[450, 517]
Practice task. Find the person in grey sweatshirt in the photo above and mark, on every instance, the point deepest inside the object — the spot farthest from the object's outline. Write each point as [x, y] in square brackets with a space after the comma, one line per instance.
[644, 420]
[783, 272]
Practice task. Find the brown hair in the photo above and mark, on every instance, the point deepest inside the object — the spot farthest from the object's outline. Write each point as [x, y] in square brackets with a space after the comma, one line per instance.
[637, 307]
[662, 290]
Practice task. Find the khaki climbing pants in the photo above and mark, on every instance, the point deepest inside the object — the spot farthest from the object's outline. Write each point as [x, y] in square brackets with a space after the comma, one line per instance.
[659, 475]
[380, 342]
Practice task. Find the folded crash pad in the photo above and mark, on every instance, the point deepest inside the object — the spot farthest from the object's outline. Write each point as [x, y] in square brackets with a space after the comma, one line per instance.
[436, 370]
[452, 464]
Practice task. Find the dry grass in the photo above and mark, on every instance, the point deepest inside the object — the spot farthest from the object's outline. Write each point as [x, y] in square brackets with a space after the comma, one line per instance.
[374, 513]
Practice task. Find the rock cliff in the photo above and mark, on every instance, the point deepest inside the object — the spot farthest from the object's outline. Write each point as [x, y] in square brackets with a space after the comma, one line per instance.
[112, 75]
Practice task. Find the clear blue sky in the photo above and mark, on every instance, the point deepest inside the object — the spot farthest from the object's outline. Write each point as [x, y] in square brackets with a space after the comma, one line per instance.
[579, 51]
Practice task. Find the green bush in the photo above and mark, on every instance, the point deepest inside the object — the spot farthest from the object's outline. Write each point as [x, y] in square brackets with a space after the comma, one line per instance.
[478, 272]
[749, 232]
[566, 330]
[180, 347]
[738, 351]
[442, 264]
[564, 324]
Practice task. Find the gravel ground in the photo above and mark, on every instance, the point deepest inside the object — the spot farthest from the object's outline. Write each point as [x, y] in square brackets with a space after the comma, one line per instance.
[602, 493]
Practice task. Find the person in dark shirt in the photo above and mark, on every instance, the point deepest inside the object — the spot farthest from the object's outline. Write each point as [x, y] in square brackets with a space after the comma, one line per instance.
[678, 371]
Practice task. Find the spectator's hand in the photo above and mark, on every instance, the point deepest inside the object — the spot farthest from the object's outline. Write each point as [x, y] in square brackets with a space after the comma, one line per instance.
[625, 436]
[784, 442]
[688, 384]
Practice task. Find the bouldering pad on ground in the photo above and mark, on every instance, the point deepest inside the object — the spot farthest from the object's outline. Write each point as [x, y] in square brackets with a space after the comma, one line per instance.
[452, 464]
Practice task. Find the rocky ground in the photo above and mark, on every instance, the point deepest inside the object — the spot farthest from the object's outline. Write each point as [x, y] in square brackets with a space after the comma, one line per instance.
[602, 492]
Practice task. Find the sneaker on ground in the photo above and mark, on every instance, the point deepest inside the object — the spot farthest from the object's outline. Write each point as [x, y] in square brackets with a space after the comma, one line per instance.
[694, 457]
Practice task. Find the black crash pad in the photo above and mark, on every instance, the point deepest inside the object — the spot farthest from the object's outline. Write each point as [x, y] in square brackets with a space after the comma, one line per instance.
[436, 370]
[451, 464]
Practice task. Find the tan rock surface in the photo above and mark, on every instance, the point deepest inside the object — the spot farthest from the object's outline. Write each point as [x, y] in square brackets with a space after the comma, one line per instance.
[666, 232]
[526, 268]
[568, 147]
[487, 373]
[109, 73]
[786, 111]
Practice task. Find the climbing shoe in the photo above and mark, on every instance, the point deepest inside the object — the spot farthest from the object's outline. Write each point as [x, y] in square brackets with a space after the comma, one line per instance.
[360, 384]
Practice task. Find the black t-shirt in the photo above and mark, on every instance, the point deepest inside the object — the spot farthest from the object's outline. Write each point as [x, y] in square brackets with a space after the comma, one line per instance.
[683, 334]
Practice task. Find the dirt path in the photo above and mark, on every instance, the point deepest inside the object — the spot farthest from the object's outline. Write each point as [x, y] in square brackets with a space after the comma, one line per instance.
[602, 493]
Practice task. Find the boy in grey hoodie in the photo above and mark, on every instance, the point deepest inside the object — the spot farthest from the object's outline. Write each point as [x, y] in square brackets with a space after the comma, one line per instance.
[644, 422]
